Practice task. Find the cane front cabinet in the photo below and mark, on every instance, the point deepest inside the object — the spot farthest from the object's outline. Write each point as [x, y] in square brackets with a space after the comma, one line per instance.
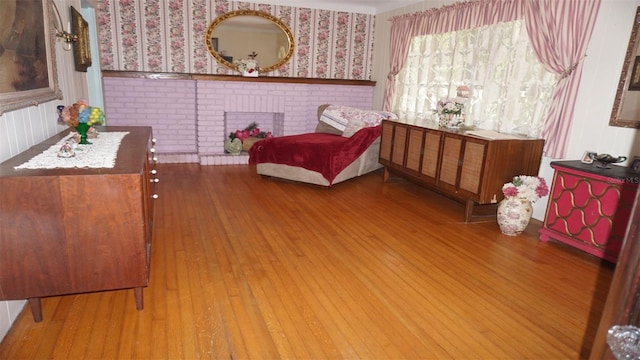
[457, 163]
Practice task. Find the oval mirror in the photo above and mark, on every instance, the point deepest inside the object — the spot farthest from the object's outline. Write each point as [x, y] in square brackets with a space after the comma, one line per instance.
[236, 34]
[626, 106]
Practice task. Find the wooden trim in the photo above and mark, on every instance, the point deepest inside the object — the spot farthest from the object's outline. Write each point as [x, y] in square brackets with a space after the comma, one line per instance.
[218, 77]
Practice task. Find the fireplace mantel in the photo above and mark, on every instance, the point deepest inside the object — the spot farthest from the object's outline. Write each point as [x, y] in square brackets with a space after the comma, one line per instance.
[219, 77]
[189, 112]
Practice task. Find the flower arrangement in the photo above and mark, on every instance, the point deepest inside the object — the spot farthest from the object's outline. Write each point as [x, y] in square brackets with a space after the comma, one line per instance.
[80, 113]
[248, 67]
[450, 106]
[81, 117]
[526, 187]
[250, 131]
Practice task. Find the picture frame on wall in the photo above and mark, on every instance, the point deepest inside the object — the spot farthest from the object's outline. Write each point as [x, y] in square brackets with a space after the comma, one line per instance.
[28, 58]
[81, 48]
[634, 81]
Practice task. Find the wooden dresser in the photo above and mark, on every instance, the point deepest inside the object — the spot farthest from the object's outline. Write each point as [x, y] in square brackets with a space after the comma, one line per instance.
[589, 207]
[67, 231]
[457, 164]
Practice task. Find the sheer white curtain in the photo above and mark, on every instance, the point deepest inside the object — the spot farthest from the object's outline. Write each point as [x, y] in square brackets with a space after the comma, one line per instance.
[510, 89]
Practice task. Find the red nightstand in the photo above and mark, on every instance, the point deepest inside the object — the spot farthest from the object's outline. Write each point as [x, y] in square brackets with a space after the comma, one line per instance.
[589, 207]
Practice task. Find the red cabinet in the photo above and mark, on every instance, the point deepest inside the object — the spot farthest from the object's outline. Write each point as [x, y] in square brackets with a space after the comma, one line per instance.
[589, 207]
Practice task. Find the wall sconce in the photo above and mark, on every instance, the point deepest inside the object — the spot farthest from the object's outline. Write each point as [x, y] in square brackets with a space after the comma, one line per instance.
[67, 37]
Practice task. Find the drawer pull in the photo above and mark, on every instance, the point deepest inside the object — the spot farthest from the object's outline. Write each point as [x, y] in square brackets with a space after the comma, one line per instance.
[154, 196]
[154, 171]
[155, 180]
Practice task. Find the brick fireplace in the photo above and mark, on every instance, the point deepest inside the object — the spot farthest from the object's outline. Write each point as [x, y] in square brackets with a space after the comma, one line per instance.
[192, 117]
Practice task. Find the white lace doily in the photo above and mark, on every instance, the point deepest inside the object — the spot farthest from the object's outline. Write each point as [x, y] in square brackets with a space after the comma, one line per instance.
[101, 153]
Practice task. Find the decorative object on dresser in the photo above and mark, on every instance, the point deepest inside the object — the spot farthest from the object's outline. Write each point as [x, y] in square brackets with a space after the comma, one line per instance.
[588, 157]
[605, 160]
[589, 207]
[634, 168]
[515, 210]
[77, 230]
[449, 113]
[468, 166]
[81, 117]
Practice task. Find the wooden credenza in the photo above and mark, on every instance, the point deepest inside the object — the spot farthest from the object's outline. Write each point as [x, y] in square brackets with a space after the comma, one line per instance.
[589, 207]
[464, 167]
[69, 231]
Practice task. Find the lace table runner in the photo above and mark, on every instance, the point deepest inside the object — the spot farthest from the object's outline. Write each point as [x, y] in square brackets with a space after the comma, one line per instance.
[100, 154]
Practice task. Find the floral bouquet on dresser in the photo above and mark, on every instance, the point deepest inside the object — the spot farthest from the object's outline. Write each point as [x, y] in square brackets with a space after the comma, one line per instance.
[81, 117]
[449, 112]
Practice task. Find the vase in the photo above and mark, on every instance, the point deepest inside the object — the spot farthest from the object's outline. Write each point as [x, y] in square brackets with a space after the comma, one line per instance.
[83, 129]
[250, 73]
[450, 121]
[514, 215]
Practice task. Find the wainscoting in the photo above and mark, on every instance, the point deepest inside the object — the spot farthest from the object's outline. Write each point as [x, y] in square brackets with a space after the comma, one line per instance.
[192, 115]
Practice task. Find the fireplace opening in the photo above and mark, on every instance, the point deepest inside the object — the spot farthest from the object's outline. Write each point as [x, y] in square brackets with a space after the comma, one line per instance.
[266, 121]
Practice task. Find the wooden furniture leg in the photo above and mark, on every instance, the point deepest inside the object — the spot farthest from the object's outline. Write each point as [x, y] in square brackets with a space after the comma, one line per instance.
[36, 309]
[139, 300]
[385, 174]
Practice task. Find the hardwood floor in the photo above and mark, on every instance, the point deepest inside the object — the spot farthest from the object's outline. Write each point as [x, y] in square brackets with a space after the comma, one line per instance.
[245, 267]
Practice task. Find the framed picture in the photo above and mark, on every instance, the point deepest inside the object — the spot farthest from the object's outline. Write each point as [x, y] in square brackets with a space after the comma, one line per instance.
[81, 49]
[635, 165]
[588, 157]
[634, 81]
[28, 58]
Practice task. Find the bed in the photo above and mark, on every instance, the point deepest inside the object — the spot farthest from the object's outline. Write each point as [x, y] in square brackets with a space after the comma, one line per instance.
[345, 144]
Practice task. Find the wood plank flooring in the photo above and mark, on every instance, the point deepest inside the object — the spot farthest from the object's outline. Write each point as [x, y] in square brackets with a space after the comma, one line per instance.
[249, 268]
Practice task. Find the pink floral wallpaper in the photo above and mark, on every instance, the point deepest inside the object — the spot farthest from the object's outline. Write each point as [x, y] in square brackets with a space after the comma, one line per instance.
[168, 36]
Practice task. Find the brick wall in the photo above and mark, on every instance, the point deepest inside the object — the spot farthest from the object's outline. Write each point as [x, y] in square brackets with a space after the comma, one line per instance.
[188, 116]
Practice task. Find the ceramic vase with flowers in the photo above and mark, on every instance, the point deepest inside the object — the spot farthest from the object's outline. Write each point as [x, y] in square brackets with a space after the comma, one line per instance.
[449, 113]
[248, 67]
[515, 210]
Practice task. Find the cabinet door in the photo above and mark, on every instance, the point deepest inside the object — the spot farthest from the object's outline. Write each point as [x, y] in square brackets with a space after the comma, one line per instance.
[450, 165]
[399, 143]
[414, 149]
[431, 154]
[472, 165]
[386, 140]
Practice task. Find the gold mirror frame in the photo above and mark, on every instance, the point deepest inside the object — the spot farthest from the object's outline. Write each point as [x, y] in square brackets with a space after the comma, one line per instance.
[219, 20]
[629, 79]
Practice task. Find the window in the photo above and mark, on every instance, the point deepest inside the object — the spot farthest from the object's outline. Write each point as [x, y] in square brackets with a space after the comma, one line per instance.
[510, 89]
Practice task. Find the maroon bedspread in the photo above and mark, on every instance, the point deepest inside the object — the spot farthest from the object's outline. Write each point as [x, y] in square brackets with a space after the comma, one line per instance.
[327, 154]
